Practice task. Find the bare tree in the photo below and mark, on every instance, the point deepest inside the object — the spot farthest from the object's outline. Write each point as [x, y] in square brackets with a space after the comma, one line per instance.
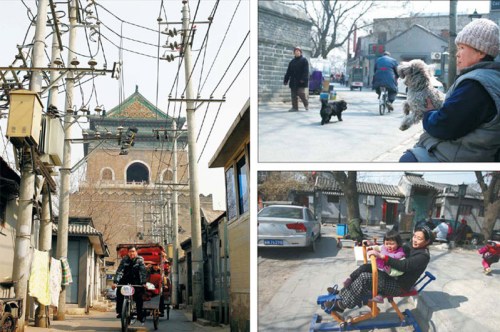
[278, 185]
[491, 198]
[348, 183]
[334, 22]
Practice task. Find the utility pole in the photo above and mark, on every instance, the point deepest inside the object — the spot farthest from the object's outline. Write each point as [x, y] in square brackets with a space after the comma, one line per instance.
[452, 48]
[175, 221]
[41, 316]
[65, 170]
[197, 253]
[26, 191]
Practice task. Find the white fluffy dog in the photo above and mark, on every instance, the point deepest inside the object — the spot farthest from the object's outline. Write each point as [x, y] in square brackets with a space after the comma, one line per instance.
[418, 80]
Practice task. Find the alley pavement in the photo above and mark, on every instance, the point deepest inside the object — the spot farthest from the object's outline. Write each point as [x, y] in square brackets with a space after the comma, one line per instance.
[362, 136]
[180, 320]
[461, 298]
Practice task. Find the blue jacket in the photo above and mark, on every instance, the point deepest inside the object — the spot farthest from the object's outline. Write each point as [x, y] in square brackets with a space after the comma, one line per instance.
[467, 127]
[386, 73]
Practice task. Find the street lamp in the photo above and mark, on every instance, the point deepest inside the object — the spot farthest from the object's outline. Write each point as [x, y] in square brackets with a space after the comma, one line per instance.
[462, 189]
[474, 16]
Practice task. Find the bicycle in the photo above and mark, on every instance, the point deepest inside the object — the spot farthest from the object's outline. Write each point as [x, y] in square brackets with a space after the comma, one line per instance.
[382, 100]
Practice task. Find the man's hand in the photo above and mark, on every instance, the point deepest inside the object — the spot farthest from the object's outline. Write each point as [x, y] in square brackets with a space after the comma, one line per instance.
[113, 286]
[429, 106]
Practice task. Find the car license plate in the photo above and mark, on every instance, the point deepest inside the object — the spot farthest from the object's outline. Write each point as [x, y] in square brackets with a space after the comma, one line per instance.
[273, 242]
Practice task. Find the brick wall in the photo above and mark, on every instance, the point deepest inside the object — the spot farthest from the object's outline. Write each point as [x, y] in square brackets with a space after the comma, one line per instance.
[281, 28]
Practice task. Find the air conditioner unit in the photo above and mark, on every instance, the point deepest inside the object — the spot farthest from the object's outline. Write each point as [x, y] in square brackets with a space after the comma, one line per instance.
[52, 141]
[435, 56]
[370, 200]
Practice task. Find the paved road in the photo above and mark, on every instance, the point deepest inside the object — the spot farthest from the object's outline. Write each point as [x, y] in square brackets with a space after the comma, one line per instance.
[363, 136]
[180, 320]
[461, 299]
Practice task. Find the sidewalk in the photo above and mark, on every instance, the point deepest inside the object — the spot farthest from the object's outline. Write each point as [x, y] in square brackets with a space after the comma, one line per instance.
[180, 320]
[461, 298]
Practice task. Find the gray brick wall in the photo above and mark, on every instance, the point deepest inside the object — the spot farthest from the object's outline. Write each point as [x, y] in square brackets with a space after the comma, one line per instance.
[280, 29]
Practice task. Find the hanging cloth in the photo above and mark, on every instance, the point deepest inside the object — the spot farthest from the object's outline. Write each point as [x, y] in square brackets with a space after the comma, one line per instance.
[55, 281]
[39, 277]
[66, 272]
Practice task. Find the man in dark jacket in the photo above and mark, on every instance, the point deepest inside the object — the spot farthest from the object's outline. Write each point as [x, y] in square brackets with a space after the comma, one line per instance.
[297, 77]
[386, 75]
[130, 271]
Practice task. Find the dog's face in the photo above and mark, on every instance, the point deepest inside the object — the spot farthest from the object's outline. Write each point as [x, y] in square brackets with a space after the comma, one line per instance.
[415, 73]
[339, 106]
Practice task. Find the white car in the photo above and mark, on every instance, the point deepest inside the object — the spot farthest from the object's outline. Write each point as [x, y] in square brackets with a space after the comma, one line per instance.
[403, 89]
[287, 226]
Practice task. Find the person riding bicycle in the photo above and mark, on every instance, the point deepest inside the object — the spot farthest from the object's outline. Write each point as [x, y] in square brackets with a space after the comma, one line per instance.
[386, 75]
[130, 271]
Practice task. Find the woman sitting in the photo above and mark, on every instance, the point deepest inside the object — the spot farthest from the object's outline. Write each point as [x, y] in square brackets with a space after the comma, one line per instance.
[417, 258]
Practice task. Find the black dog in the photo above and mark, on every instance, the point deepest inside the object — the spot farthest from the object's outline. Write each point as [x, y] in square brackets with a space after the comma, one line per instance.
[331, 109]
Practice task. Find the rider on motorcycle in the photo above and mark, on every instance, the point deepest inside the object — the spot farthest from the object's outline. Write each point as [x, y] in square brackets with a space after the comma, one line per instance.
[130, 271]
[386, 74]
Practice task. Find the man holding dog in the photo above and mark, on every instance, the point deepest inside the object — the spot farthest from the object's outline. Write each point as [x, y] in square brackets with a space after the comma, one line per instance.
[386, 74]
[297, 77]
[467, 126]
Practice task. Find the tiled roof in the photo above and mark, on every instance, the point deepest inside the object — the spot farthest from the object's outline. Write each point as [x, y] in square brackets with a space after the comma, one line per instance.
[211, 215]
[471, 192]
[363, 188]
[78, 229]
[417, 180]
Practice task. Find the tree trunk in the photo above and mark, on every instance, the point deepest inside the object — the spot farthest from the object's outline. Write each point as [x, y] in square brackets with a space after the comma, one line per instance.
[491, 213]
[347, 183]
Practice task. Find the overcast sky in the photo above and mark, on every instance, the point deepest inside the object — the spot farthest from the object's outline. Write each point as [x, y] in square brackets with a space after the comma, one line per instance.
[141, 70]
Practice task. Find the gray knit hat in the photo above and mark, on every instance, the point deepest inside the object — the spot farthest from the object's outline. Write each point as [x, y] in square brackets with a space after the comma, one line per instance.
[481, 34]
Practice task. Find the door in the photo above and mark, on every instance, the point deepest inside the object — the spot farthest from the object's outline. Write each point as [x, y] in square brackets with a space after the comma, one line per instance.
[73, 260]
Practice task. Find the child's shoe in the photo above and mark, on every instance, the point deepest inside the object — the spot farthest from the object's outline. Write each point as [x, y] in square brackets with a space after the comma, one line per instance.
[487, 271]
[378, 299]
[347, 282]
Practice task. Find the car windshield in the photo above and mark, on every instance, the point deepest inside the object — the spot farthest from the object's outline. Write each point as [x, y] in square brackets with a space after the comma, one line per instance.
[281, 212]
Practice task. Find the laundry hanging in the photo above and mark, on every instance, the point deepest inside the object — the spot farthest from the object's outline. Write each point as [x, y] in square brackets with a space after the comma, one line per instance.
[39, 277]
[55, 281]
[66, 272]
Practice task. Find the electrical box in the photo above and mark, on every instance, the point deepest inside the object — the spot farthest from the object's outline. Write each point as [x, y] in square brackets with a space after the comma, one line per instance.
[52, 141]
[25, 116]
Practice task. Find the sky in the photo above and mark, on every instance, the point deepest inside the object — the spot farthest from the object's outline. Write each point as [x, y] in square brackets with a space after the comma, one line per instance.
[155, 79]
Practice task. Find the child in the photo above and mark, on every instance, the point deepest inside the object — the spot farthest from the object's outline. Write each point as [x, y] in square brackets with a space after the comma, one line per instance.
[392, 248]
[491, 254]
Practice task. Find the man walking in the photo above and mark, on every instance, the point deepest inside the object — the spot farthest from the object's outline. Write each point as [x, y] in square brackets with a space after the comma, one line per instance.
[297, 78]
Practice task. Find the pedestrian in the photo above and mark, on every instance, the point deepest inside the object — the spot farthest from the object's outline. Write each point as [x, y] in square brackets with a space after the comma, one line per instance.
[491, 254]
[342, 79]
[297, 78]
[354, 231]
[441, 230]
[415, 263]
[462, 231]
[467, 126]
[386, 75]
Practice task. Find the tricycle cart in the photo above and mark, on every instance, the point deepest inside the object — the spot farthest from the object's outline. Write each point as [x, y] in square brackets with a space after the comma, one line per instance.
[153, 254]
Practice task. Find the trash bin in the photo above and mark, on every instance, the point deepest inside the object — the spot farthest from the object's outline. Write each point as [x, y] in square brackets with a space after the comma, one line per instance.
[342, 229]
